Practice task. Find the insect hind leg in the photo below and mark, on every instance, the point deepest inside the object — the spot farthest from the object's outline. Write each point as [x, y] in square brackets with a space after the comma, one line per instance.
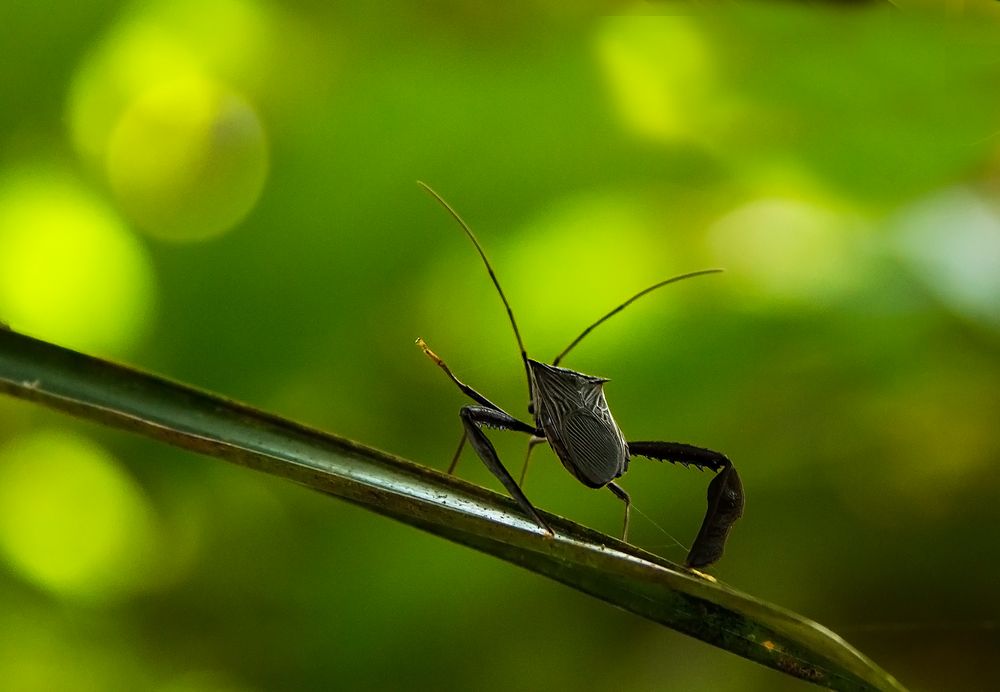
[474, 418]
[725, 494]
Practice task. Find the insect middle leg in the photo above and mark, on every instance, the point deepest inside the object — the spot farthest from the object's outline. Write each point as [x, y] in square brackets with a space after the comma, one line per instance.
[725, 494]
[623, 496]
[458, 453]
[532, 443]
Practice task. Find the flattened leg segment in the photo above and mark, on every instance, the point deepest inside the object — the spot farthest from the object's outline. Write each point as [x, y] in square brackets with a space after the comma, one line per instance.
[473, 418]
[725, 506]
[725, 494]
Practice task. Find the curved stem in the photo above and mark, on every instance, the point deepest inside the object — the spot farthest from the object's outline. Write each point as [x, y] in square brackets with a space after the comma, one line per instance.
[584, 559]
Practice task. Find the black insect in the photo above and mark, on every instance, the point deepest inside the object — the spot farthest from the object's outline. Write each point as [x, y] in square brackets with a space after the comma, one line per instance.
[572, 415]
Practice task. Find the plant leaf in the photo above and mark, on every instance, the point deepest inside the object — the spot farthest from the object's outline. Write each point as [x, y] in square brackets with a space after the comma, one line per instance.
[589, 561]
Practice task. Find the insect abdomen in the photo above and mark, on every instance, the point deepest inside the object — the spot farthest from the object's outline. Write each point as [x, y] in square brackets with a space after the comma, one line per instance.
[595, 451]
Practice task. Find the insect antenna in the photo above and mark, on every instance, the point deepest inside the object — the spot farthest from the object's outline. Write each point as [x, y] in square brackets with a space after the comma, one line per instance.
[637, 296]
[489, 268]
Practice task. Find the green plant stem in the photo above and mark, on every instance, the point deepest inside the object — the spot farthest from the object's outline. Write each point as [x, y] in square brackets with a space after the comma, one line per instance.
[589, 561]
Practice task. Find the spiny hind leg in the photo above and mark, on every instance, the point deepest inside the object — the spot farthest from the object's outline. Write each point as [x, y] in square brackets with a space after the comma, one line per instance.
[725, 494]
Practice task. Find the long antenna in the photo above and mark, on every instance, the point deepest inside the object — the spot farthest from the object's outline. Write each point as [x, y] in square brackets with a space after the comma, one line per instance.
[489, 268]
[628, 302]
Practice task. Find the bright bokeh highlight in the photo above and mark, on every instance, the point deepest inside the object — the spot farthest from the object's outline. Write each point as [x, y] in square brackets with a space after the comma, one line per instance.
[72, 521]
[188, 160]
[70, 270]
[953, 242]
[787, 250]
[660, 74]
[567, 262]
[163, 42]
[161, 107]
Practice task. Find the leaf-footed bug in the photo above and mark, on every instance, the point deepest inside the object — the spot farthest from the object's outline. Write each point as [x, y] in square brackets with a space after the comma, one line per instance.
[572, 415]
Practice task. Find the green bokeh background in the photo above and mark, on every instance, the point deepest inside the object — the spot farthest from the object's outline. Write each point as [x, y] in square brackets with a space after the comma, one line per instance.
[223, 192]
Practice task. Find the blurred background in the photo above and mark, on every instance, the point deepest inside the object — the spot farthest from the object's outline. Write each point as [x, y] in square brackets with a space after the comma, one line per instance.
[223, 192]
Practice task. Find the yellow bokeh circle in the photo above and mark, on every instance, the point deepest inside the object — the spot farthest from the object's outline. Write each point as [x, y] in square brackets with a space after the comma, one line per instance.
[661, 76]
[162, 41]
[72, 521]
[787, 250]
[187, 159]
[70, 271]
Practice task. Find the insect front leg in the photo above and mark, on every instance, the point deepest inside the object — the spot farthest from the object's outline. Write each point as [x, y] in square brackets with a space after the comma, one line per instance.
[725, 494]
[473, 418]
[466, 389]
